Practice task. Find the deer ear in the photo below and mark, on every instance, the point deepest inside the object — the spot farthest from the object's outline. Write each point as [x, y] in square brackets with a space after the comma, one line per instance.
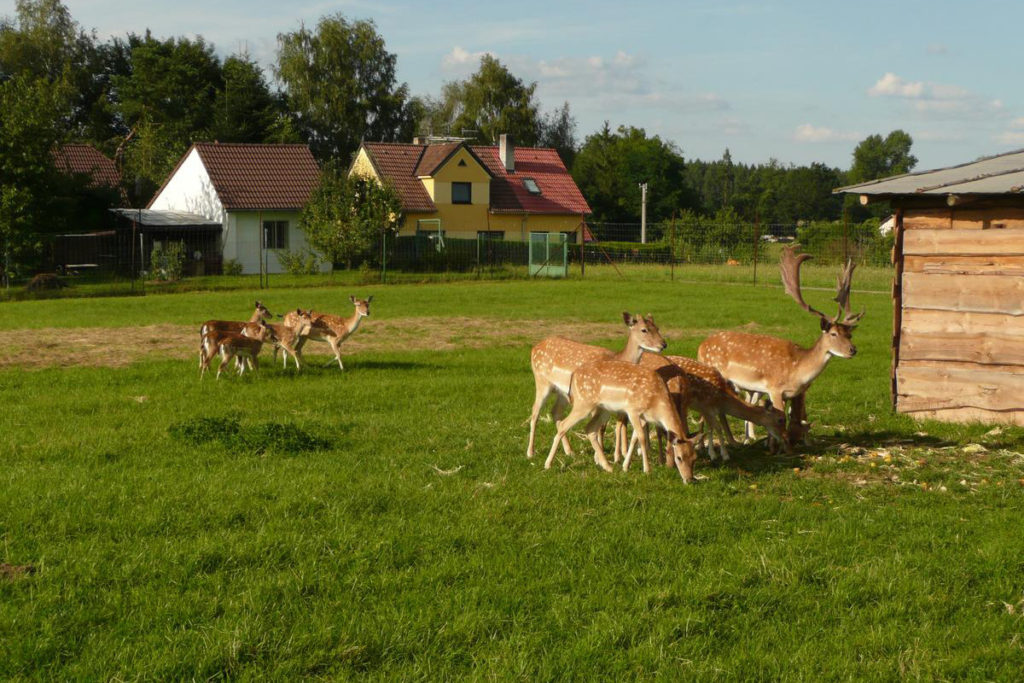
[628, 318]
[351, 298]
[369, 298]
[825, 324]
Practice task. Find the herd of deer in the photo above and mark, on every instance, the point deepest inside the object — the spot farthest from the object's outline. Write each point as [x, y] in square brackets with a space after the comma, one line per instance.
[244, 340]
[643, 387]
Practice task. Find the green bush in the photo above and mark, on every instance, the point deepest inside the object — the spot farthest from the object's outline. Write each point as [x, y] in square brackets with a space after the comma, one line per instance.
[167, 261]
[232, 267]
[299, 262]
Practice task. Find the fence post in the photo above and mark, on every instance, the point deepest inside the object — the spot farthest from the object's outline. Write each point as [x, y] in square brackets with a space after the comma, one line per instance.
[846, 246]
[757, 240]
[672, 249]
[583, 251]
[383, 256]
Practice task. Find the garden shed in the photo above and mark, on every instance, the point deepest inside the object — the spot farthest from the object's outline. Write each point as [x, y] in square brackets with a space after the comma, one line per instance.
[958, 315]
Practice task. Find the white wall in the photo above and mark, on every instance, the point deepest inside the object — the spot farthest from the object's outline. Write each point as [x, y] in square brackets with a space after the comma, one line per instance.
[190, 189]
[246, 231]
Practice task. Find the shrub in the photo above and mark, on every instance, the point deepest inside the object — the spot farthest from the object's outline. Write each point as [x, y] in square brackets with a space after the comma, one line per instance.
[167, 261]
[299, 262]
[232, 267]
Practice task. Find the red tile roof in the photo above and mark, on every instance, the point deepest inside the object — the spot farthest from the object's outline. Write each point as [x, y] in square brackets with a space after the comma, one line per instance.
[404, 163]
[79, 159]
[257, 176]
[251, 176]
[558, 191]
[398, 163]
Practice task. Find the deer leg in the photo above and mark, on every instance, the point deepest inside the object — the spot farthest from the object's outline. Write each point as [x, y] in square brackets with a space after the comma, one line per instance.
[594, 428]
[557, 411]
[797, 419]
[755, 398]
[645, 445]
[225, 359]
[577, 413]
[541, 394]
[709, 419]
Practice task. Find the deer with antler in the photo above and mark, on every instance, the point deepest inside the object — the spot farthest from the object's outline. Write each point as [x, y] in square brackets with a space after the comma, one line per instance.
[608, 387]
[554, 359]
[762, 364]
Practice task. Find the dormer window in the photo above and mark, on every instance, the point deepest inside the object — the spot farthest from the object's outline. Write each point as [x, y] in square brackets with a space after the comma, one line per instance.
[531, 186]
[462, 193]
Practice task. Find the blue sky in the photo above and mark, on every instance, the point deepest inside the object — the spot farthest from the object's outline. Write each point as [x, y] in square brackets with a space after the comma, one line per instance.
[794, 81]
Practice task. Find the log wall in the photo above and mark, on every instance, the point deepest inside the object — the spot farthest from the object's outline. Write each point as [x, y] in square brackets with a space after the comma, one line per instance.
[959, 342]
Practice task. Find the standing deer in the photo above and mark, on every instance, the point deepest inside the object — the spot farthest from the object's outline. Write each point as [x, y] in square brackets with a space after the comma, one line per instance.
[332, 329]
[245, 350]
[258, 314]
[606, 387]
[768, 365]
[554, 359]
[289, 337]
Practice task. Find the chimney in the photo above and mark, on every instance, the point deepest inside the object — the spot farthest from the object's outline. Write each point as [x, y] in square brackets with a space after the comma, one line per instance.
[507, 152]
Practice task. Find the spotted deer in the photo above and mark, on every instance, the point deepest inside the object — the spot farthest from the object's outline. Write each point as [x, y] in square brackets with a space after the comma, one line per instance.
[332, 329]
[554, 359]
[762, 364]
[603, 388]
[259, 313]
[235, 345]
[290, 336]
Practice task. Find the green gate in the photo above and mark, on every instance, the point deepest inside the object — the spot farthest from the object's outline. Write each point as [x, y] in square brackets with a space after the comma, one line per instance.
[549, 254]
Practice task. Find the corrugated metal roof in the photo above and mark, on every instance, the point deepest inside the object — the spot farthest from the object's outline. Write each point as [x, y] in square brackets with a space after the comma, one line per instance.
[1000, 174]
[153, 218]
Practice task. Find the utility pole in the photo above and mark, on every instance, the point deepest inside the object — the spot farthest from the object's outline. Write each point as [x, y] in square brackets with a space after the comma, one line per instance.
[643, 213]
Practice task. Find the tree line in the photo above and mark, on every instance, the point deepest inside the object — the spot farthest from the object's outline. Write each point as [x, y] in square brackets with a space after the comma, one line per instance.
[143, 100]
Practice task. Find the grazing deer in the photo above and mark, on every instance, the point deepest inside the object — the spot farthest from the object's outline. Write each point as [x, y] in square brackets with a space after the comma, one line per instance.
[260, 313]
[554, 359]
[768, 365]
[712, 397]
[289, 337]
[332, 329]
[606, 387]
[235, 345]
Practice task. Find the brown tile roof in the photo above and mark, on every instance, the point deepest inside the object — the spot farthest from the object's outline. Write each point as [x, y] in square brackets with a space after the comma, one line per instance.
[398, 163]
[558, 191]
[253, 176]
[257, 176]
[404, 163]
[79, 159]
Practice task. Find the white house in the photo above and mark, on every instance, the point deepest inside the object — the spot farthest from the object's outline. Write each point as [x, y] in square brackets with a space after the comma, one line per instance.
[254, 191]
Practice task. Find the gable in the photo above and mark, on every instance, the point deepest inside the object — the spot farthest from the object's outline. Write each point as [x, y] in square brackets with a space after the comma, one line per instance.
[462, 166]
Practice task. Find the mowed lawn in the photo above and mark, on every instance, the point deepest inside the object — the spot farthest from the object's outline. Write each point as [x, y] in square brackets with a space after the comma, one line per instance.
[384, 522]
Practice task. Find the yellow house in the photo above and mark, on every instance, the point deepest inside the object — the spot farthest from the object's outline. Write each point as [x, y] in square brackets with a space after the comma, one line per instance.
[466, 191]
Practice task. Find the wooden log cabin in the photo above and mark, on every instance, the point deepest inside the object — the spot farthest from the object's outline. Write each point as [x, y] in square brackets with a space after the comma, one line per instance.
[958, 315]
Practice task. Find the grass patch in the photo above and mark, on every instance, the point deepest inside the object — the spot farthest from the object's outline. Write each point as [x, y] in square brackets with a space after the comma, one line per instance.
[416, 541]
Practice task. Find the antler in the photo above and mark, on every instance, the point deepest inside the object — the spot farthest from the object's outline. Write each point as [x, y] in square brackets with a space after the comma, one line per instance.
[789, 266]
[843, 282]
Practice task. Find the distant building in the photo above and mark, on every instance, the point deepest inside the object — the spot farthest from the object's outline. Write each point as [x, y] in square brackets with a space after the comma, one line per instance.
[254, 191]
[465, 191]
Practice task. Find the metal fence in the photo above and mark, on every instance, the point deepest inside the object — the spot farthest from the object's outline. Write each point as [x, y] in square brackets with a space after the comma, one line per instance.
[130, 261]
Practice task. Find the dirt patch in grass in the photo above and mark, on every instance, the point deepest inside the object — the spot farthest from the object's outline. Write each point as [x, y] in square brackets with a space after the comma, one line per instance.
[121, 346]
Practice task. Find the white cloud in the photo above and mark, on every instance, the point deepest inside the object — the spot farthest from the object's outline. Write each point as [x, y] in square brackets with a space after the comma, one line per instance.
[459, 58]
[938, 49]
[814, 134]
[892, 85]
[1014, 137]
[1017, 122]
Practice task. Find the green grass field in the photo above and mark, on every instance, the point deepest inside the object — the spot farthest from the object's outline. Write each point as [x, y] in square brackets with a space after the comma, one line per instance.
[384, 522]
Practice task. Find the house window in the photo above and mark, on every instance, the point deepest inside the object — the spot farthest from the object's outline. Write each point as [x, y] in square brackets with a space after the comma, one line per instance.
[462, 193]
[275, 234]
[531, 186]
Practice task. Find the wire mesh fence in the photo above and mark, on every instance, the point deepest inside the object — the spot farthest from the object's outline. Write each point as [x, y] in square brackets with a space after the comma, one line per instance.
[134, 261]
